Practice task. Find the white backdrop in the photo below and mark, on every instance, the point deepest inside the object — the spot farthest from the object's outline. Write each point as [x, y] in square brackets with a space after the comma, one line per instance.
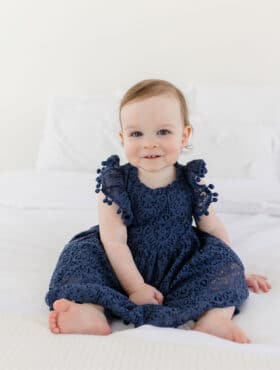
[73, 48]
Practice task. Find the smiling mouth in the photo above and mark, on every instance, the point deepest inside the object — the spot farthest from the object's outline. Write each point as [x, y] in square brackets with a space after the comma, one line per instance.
[152, 157]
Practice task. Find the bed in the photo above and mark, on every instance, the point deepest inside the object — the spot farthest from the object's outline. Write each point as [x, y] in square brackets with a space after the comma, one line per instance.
[42, 208]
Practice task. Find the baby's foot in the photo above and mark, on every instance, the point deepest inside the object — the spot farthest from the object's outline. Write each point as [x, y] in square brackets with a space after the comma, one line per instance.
[71, 317]
[221, 326]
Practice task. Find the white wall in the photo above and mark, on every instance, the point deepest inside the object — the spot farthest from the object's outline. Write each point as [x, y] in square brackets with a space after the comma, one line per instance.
[65, 47]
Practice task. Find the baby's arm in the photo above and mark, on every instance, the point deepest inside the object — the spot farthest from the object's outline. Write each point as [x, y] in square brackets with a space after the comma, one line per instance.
[213, 225]
[113, 235]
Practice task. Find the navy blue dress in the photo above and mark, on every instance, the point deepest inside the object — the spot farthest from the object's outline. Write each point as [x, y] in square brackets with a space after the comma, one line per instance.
[195, 271]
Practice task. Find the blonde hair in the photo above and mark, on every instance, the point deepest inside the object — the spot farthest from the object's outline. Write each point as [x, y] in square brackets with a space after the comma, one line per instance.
[154, 87]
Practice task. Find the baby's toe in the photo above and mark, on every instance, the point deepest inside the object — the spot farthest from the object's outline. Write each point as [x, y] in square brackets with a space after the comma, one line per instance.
[53, 322]
[61, 305]
[240, 337]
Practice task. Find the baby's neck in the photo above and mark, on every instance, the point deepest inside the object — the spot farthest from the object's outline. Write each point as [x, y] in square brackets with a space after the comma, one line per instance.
[156, 179]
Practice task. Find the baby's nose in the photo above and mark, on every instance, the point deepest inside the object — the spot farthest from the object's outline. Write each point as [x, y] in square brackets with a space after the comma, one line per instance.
[150, 144]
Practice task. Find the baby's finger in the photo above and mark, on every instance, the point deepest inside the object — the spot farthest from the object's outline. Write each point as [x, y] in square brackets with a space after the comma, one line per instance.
[262, 276]
[159, 296]
[264, 286]
[254, 285]
[268, 285]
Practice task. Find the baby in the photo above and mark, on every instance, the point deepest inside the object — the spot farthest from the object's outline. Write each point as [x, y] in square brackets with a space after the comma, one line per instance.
[145, 262]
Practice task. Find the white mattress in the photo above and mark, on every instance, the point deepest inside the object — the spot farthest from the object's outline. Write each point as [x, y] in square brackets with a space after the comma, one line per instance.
[40, 212]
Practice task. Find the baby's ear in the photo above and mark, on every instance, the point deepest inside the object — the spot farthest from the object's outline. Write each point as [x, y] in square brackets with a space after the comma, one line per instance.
[121, 136]
[186, 134]
[188, 131]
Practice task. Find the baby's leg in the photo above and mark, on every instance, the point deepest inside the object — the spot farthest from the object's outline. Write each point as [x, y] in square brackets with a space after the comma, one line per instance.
[218, 321]
[71, 317]
[82, 274]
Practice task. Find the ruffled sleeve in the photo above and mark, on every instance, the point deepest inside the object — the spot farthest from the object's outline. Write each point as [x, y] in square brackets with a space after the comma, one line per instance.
[201, 194]
[111, 181]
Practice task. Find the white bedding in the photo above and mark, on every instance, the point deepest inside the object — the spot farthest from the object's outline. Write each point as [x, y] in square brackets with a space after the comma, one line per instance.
[40, 212]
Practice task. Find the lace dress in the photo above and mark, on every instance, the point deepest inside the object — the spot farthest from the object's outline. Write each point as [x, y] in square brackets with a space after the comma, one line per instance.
[195, 271]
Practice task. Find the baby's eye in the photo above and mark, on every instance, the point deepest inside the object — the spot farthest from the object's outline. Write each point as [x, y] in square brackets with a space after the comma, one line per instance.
[135, 132]
[164, 130]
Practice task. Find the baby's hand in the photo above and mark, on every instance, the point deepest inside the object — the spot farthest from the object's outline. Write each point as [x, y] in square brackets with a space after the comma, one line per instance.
[146, 294]
[255, 282]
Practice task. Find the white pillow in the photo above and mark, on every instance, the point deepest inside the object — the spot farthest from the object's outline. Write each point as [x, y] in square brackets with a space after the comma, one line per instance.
[82, 131]
[247, 196]
[276, 147]
[32, 189]
[233, 149]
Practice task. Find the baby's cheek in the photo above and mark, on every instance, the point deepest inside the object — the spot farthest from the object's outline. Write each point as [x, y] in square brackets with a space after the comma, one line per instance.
[174, 150]
[130, 148]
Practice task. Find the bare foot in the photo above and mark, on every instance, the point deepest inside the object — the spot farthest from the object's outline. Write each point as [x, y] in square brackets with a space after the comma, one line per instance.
[221, 325]
[71, 317]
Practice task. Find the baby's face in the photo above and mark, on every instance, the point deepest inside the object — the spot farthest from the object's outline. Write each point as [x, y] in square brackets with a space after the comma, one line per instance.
[153, 126]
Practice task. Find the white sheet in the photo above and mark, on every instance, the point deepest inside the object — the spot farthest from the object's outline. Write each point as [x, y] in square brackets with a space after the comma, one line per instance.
[31, 239]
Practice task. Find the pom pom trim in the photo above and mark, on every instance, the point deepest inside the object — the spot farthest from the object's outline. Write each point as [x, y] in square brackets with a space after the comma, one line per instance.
[202, 191]
[111, 162]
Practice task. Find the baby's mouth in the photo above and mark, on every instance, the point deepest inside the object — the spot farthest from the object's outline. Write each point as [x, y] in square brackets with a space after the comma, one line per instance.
[152, 156]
